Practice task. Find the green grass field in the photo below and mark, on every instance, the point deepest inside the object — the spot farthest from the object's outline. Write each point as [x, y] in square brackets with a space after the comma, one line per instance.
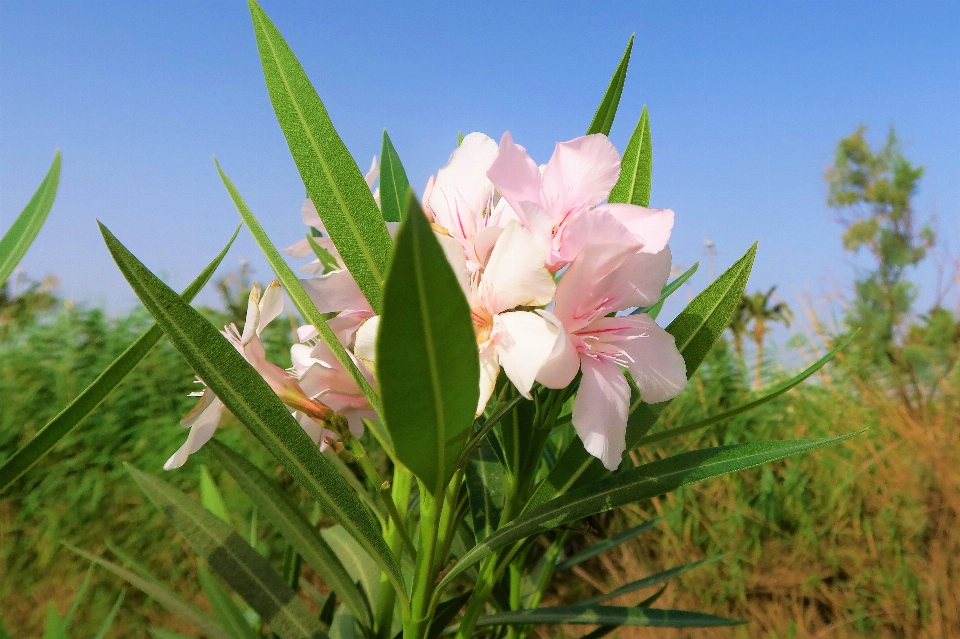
[861, 539]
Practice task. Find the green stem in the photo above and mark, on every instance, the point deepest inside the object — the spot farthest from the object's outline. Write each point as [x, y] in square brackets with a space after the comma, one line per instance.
[481, 594]
[425, 575]
[383, 489]
[397, 538]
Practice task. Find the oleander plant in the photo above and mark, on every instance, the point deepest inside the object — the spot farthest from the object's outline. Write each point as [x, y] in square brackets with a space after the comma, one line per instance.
[474, 369]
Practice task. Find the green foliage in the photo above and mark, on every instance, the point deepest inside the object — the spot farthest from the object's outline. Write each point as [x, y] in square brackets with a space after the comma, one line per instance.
[636, 166]
[20, 235]
[427, 360]
[393, 182]
[604, 615]
[603, 118]
[332, 177]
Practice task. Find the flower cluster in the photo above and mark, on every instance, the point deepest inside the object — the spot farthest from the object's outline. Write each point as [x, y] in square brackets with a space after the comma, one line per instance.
[549, 269]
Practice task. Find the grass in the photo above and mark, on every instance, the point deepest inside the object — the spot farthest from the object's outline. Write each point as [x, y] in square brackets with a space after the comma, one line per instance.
[860, 539]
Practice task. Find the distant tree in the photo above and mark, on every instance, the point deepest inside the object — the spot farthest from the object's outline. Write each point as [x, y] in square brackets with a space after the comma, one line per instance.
[762, 310]
[872, 192]
[23, 300]
[738, 325]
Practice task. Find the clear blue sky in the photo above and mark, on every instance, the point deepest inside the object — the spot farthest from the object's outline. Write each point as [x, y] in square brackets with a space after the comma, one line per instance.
[747, 101]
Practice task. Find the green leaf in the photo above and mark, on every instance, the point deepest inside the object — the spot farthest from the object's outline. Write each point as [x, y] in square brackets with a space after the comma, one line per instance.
[157, 633]
[251, 400]
[603, 118]
[164, 596]
[607, 615]
[771, 395]
[292, 525]
[669, 290]
[329, 172]
[357, 563]
[446, 612]
[633, 485]
[52, 623]
[20, 235]
[74, 605]
[636, 167]
[485, 484]
[94, 394]
[608, 544]
[211, 498]
[327, 260]
[291, 283]
[393, 182]
[695, 330]
[427, 359]
[246, 570]
[111, 616]
[646, 582]
[224, 607]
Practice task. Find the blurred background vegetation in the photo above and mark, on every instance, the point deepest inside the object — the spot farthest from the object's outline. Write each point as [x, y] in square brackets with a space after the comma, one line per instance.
[860, 539]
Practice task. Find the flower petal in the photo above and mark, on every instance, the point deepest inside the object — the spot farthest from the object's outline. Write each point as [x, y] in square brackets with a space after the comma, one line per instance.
[372, 174]
[583, 291]
[524, 341]
[516, 274]
[453, 250]
[515, 174]
[651, 226]
[365, 346]
[657, 366]
[580, 173]
[641, 278]
[252, 321]
[202, 421]
[462, 189]
[271, 305]
[336, 292]
[310, 217]
[591, 227]
[489, 370]
[564, 361]
[601, 409]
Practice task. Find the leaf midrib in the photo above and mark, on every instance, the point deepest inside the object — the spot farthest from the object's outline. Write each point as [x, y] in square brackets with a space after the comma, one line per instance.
[323, 163]
[273, 438]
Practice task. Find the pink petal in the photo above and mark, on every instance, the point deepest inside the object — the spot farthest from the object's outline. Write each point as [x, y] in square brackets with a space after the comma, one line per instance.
[592, 227]
[563, 363]
[514, 174]
[601, 409]
[489, 371]
[516, 274]
[641, 278]
[582, 294]
[425, 203]
[335, 292]
[271, 305]
[524, 341]
[372, 173]
[657, 366]
[652, 227]
[462, 190]
[580, 173]
[310, 217]
[202, 422]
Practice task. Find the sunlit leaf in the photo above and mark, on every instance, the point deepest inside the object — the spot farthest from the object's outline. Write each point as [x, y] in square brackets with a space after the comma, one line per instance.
[603, 118]
[607, 615]
[393, 182]
[20, 235]
[636, 167]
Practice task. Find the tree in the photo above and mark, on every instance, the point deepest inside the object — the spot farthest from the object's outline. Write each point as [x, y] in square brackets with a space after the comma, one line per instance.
[762, 313]
[872, 192]
[738, 326]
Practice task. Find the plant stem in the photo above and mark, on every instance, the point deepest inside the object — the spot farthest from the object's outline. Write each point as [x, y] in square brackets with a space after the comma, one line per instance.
[425, 576]
[397, 538]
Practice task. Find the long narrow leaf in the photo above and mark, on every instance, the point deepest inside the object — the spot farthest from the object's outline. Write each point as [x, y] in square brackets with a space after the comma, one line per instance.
[633, 485]
[20, 235]
[695, 330]
[224, 607]
[331, 175]
[166, 597]
[608, 544]
[636, 167]
[292, 525]
[111, 616]
[607, 615]
[776, 392]
[294, 289]
[75, 604]
[94, 394]
[248, 396]
[246, 570]
[393, 182]
[646, 582]
[427, 358]
[603, 118]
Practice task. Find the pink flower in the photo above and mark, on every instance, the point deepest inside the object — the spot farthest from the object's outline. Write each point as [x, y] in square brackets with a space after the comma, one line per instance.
[562, 204]
[606, 278]
[206, 415]
[461, 200]
[323, 378]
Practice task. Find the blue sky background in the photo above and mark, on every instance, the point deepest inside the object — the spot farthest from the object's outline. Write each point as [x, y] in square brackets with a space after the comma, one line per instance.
[747, 102]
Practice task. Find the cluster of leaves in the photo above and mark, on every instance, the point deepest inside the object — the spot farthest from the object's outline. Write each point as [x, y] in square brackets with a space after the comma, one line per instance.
[452, 533]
